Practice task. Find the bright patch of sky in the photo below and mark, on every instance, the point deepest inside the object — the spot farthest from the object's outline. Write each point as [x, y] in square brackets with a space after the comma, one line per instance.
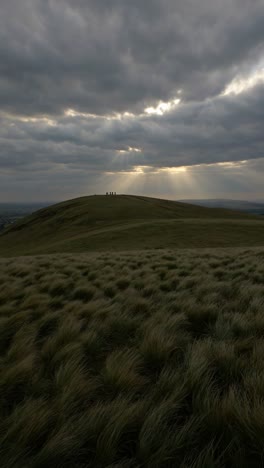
[241, 84]
[162, 107]
[130, 149]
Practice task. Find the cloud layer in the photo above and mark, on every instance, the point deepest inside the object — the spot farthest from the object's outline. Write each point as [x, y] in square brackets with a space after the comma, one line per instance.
[101, 89]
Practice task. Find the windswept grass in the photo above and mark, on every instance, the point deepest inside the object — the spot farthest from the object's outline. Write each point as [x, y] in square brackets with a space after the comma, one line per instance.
[145, 359]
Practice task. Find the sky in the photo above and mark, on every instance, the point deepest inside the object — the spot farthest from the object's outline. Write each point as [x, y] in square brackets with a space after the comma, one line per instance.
[152, 97]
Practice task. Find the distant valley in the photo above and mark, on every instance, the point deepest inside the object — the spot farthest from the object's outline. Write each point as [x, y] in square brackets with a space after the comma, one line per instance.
[12, 212]
[242, 205]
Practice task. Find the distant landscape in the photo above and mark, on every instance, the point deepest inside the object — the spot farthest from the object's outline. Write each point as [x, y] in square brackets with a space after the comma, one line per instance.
[12, 212]
[131, 332]
[249, 207]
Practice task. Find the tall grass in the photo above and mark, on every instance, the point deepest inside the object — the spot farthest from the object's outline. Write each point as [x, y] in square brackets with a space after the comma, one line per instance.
[128, 360]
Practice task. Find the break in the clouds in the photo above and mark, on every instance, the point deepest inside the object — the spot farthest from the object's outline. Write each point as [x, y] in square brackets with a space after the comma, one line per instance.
[161, 97]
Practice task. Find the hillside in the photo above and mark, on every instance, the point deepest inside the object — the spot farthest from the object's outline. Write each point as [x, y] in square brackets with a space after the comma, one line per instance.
[128, 222]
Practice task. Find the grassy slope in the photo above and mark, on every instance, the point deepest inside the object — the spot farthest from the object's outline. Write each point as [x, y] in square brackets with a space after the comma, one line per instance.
[128, 222]
[129, 360]
[146, 359]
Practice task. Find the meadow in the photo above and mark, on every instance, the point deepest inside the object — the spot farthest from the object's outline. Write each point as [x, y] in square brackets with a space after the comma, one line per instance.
[132, 359]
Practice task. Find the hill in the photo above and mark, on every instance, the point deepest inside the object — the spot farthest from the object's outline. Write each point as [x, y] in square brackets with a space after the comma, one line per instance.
[136, 358]
[127, 222]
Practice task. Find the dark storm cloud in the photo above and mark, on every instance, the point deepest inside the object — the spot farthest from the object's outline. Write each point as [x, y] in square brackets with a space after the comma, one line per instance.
[223, 129]
[103, 57]
[70, 70]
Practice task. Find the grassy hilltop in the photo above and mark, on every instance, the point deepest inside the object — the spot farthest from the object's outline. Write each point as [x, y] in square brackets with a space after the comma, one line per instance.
[126, 222]
[118, 349]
